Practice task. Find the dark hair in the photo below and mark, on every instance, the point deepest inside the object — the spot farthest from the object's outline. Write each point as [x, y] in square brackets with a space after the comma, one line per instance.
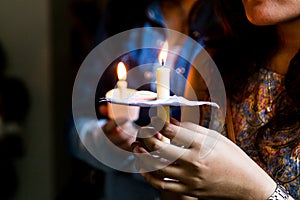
[292, 80]
[246, 48]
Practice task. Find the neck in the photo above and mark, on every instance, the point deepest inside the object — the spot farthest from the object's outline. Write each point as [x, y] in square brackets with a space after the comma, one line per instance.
[289, 34]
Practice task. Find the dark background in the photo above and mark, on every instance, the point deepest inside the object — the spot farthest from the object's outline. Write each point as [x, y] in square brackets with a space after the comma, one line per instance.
[44, 42]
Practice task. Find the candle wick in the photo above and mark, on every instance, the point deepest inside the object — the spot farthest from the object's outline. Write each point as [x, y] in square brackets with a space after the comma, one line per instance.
[162, 62]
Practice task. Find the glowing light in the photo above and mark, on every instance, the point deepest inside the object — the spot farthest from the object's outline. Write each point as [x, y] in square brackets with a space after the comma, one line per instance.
[121, 70]
[163, 54]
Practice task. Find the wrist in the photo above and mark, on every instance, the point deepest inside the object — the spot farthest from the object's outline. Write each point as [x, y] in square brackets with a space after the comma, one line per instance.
[280, 193]
[263, 186]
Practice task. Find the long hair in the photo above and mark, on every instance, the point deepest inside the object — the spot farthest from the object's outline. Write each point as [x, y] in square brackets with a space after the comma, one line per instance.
[246, 48]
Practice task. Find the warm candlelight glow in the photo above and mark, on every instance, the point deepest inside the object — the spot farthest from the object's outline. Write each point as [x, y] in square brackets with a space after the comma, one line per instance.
[121, 70]
[122, 93]
[163, 54]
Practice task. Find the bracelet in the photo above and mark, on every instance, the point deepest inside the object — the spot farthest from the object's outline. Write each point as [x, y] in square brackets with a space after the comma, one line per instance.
[280, 193]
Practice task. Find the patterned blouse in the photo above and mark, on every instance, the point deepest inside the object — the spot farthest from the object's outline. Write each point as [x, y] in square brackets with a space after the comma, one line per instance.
[277, 151]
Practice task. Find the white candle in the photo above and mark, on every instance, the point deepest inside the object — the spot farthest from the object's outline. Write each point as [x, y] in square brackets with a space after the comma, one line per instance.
[122, 83]
[163, 86]
[116, 111]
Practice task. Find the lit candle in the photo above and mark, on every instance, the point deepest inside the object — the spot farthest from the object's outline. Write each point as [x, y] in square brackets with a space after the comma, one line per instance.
[120, 93]
[122, 83]
[163, 86]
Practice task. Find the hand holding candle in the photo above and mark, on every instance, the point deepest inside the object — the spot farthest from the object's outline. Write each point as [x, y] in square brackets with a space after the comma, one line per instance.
[163, 86]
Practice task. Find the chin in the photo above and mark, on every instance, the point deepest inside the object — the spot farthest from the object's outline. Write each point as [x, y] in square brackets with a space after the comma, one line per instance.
[262, 17]
[269, 20]
[270, 12]
[262, 21]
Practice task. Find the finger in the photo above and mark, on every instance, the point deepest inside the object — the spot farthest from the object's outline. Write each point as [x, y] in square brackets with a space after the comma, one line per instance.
[127, 128]
[174, 121]
[109, 126]
[157, 147]
[173, 172]
[165, 184]
[136, 148]
[177, 134]
[112, 124]
[134, 145]
[119, 132]
[208, 133]
[194, 127]
[120, 139]
[189, 136]
[146, 161]
[103, 110]
[204, 137]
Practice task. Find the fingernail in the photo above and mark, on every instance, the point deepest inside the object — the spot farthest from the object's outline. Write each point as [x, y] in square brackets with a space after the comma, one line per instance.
[136, 150]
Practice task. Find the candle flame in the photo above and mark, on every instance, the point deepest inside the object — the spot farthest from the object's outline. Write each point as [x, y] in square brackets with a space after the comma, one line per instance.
[121, 70]
[163, 54]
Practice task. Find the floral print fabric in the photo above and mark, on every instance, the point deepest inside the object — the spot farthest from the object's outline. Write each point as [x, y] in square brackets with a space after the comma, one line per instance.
[277, 151]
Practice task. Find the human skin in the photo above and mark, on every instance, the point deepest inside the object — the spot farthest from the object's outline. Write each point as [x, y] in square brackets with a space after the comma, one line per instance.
[226, 173]
[285, 15]
[269, 12]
